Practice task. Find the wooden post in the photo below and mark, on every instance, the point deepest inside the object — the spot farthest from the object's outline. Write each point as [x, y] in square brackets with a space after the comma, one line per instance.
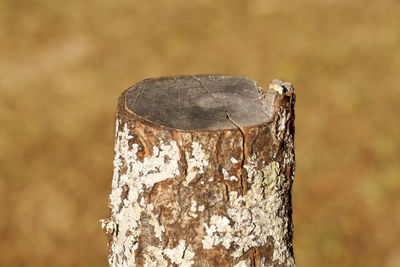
[203, 171]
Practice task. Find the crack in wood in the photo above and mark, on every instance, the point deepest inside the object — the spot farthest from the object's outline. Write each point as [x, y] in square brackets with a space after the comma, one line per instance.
[234, 123]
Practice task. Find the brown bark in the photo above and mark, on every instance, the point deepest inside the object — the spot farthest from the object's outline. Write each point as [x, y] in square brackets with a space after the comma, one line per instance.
[203, 174]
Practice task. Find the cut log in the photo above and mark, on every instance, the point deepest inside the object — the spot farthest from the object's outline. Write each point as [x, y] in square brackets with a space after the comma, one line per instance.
[203, 171]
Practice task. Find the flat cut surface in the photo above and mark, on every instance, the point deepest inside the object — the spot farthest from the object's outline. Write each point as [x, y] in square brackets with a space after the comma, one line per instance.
[198, 102]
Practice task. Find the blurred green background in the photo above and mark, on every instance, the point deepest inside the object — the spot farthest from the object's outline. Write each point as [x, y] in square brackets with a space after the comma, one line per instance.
[63, 65]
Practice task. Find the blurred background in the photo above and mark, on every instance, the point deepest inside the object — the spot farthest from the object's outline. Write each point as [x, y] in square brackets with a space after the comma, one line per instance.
[63, 65]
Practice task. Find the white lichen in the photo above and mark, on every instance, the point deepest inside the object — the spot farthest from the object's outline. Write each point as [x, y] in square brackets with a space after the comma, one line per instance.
[234, 161]
[158, 229]
[233, 178]
[193, 208]
[254, 217]
[131, 177]
[225, 174]
[227, 177]
[154, 257]
[195, 162]
[182, 255]
[243, 263]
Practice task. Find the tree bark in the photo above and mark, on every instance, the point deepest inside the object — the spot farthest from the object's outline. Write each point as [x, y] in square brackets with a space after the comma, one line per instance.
[203, 171]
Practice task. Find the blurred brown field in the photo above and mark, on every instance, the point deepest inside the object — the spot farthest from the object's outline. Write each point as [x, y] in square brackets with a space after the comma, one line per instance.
[63, 65]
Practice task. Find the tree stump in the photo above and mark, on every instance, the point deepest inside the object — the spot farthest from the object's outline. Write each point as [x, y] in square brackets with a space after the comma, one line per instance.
[203, 171]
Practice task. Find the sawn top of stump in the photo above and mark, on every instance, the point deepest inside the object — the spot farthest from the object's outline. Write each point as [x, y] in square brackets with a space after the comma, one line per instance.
[198, 102]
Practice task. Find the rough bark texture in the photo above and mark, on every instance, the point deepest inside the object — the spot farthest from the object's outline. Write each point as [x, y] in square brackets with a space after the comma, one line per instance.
[217, 195]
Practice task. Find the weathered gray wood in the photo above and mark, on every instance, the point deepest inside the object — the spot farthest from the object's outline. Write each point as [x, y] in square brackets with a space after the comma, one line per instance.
[205, 180]
[198, 102]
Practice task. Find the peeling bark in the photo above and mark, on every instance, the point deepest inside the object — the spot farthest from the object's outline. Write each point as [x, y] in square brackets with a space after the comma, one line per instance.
[210, 186]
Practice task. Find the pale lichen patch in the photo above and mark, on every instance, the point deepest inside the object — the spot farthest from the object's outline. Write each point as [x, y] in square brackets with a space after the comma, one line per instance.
[225, 174]
[193, 208]
[136, 176]
[234, 161]
[181, 255]
[154, 257]
[158, 229]
[233, 178]
[209, 240]
[243, 263]
[195, 162]
[227, 177]
[253, 218]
